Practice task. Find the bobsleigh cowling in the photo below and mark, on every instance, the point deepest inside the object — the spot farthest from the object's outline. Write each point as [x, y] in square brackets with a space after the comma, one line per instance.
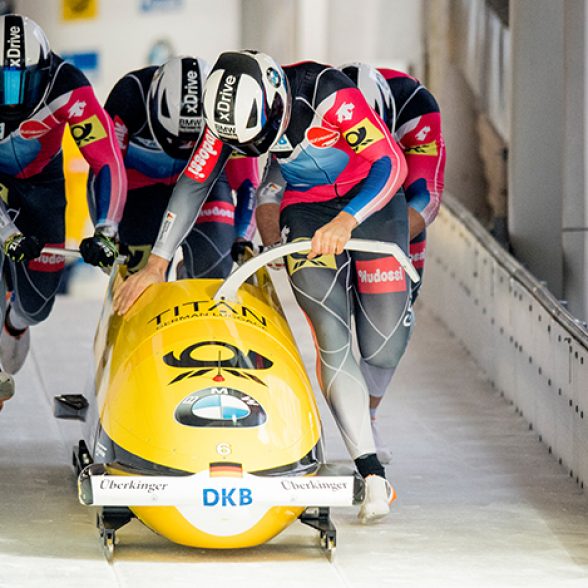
[203, 423]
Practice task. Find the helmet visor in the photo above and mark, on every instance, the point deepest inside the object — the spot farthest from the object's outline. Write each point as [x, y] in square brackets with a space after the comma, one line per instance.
[21, 89]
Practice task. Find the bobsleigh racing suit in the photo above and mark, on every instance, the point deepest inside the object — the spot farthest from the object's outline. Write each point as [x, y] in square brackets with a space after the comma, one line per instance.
[152, 174]
[32, 185]
[335, 155]
[416, 126]
[417, 129]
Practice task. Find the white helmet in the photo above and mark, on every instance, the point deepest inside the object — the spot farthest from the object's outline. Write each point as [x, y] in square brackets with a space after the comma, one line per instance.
[246, 101]
[174, 104]
[25, 65]
[375, 89]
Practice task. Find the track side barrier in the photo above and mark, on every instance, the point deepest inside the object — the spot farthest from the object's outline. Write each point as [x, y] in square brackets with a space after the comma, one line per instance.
[530, 347]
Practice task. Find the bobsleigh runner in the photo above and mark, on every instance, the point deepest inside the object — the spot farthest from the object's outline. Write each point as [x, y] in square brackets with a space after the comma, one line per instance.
[201, 421]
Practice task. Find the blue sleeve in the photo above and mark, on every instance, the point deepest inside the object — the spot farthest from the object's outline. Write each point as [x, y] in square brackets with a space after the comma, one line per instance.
[99, 189]
[244, 220]
[371, 186]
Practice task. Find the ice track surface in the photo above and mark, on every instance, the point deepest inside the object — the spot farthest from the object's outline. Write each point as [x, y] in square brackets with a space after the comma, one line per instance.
[481, 501]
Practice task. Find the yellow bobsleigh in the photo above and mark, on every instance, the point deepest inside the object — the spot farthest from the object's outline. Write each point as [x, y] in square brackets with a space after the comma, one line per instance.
[202, 422]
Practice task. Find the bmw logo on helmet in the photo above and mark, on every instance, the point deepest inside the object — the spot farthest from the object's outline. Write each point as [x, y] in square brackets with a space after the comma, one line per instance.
[220, 407]
[273, 76]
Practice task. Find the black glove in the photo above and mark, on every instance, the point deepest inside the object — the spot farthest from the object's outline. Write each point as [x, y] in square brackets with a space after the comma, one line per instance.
[239, 250]
[19, 247]
[99, 250]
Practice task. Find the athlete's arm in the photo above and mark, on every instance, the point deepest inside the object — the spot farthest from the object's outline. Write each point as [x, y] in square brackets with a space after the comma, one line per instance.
[191, 190]
[269, 199]
[425, 158]
[7, 227]
[424, 150]
[418, 130]
[369, 140]
[125, 106]
[243, 177]
[93, 132]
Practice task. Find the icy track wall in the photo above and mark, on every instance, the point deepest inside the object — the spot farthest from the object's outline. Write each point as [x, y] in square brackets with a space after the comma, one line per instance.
[531, 349]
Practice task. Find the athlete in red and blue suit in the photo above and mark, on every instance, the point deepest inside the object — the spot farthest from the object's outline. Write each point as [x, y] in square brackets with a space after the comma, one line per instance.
[412, 114]
[416, 126]
[343, 172]
[40, 95]
[157, 113]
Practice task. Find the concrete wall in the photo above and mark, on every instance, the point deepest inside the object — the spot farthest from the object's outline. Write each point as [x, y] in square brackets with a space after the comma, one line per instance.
[537, 140]
[382, 32]
[575, 161]
[531, 81]
[464, 172]
[123, 35]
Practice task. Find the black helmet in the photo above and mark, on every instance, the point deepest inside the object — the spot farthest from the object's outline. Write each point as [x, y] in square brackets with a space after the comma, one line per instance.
[374, 88]
[246, 102]
[174, 105]
[25, 66]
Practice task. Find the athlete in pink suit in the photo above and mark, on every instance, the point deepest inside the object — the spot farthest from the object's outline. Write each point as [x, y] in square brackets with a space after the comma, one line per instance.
[39, 95]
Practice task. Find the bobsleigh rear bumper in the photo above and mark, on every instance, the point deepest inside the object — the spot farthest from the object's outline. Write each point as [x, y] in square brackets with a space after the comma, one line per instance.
[96, 487]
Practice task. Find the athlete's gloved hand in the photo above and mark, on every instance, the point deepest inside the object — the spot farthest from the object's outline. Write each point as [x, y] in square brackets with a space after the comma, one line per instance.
[19, 247]
[239, 250]
[99, 250]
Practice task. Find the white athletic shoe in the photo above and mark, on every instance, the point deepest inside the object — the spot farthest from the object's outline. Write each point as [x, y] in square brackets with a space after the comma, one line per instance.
[6, 388]
[382, 450]
[379, 495]
[14, 349]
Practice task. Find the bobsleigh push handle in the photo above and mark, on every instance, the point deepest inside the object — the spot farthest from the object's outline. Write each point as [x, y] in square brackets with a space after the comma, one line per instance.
[75, 254]
[64, 252]
[229, 288]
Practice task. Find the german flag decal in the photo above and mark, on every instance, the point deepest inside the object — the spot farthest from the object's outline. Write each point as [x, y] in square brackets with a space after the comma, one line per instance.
[222, 469]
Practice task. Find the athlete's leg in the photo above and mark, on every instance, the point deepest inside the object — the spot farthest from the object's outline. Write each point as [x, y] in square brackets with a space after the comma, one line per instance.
[417, 256]
[383, 312]
[321, 287]
[207, 249]
[39, 209]
[378, 379]
[6, 380]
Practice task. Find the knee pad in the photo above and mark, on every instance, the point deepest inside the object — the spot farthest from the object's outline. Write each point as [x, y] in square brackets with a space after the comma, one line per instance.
[376, 378]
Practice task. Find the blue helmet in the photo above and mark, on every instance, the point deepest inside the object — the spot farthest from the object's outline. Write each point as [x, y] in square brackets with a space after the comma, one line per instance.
[25, 63]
